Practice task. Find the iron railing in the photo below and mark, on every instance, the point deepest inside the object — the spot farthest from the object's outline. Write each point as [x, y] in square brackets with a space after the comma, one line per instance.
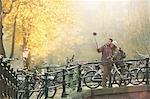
[8, 79]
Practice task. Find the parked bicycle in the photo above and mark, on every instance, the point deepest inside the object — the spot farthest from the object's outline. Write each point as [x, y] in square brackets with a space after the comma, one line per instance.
[138, 69]
[34, 82]
[120, 76]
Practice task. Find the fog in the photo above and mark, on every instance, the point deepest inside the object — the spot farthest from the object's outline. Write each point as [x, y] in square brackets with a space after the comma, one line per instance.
[126, 21]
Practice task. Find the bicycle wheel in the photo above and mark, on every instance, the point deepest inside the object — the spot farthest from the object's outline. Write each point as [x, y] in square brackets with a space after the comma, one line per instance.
[59, 77]
[133, 73]
[89, 82]
[123, 78]
[141, 76]
[51, 90]
[23, 87]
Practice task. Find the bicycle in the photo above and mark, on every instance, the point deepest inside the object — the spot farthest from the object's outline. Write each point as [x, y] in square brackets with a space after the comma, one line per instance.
[142, 74]
[36, 83]
[133, 72]
[140, 71]
[51, 88]
[120, 76]
[58, 75]
[137, 72]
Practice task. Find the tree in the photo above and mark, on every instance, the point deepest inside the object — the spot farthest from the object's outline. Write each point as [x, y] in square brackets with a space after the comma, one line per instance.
[2, 51]
[41, 27]
[3, 13]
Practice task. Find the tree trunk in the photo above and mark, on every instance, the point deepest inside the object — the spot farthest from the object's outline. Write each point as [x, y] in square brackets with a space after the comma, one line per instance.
[13, 39]
[2, 51]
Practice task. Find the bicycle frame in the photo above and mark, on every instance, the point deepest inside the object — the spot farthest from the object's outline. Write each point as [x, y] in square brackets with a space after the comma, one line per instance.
[100, 72]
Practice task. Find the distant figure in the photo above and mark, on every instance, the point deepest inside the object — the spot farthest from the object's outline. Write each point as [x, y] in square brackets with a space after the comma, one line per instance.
[106, 51]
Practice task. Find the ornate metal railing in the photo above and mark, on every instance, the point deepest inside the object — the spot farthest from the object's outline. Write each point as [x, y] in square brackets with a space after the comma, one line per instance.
[134, 72]
[8, 81]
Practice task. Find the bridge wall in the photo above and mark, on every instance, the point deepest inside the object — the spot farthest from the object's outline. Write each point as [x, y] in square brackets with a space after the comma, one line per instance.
[132, 92]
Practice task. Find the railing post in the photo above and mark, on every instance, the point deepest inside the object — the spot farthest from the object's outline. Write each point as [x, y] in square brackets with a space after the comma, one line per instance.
[79, 79]
[0, 79]
[10, 83]
[27, 91]
[70, 82]
[110, 78]
[46, 86]
[16, 84]
[64, 95]
[5, 81]
[147, 71]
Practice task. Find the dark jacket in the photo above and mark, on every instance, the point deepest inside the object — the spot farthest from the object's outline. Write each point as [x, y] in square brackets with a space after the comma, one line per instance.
[119, 55]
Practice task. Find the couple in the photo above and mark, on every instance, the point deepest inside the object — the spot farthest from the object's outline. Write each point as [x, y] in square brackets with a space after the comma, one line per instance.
[110, 50]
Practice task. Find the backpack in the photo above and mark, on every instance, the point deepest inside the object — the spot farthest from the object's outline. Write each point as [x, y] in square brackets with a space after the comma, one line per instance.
[122, 54]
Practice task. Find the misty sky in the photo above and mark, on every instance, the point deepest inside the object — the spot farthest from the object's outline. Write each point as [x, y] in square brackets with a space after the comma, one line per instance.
[102, 16]
[105, 17]
[109, 18]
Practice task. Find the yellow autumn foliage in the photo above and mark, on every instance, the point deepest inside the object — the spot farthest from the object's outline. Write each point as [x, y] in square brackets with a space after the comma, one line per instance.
[47, 24]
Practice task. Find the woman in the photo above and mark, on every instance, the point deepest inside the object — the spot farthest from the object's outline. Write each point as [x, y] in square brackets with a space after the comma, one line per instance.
[118, 54]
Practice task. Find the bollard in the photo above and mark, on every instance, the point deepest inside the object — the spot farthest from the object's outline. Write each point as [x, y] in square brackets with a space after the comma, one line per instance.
[64, 95]
[46, 86]
[79, 79]
[147, 71]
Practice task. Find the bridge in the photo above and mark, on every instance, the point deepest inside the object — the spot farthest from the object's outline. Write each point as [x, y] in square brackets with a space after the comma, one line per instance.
[75, 82]
[126, 92]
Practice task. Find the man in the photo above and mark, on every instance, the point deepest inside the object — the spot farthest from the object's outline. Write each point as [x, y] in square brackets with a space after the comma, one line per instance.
[106, 51]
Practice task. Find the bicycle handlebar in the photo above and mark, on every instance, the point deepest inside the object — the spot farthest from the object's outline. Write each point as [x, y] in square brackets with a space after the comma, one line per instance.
[142, 55]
